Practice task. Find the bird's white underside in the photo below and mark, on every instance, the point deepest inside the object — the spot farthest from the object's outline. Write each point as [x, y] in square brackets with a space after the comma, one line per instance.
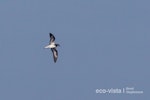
[51, 45]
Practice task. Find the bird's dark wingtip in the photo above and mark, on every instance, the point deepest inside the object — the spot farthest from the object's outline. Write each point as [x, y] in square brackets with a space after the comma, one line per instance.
[54, 61]
[50, 34]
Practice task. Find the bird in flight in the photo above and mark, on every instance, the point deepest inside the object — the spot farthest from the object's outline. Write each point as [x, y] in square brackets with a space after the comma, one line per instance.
[52, 45]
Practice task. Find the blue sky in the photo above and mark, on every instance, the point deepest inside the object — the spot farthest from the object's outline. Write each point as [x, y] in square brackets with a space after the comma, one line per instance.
[104, 44]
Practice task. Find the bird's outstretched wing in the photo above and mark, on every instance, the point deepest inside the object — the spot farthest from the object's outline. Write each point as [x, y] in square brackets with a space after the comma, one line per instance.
[52, 38]
[55, 54]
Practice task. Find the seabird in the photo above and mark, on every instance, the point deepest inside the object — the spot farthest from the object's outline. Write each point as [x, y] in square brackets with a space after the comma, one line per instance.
[52, 45]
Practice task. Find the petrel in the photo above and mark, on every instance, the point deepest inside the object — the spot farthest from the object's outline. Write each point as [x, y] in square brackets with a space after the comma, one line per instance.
[52, 45]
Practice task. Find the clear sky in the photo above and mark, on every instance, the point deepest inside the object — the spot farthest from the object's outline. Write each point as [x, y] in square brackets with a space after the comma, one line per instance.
[104, 44]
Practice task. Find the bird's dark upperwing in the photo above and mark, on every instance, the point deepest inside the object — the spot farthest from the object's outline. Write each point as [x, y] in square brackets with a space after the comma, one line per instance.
[55, 54]
[52, 38]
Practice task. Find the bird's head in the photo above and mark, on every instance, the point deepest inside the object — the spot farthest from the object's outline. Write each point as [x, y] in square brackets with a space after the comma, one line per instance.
[57, 45]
